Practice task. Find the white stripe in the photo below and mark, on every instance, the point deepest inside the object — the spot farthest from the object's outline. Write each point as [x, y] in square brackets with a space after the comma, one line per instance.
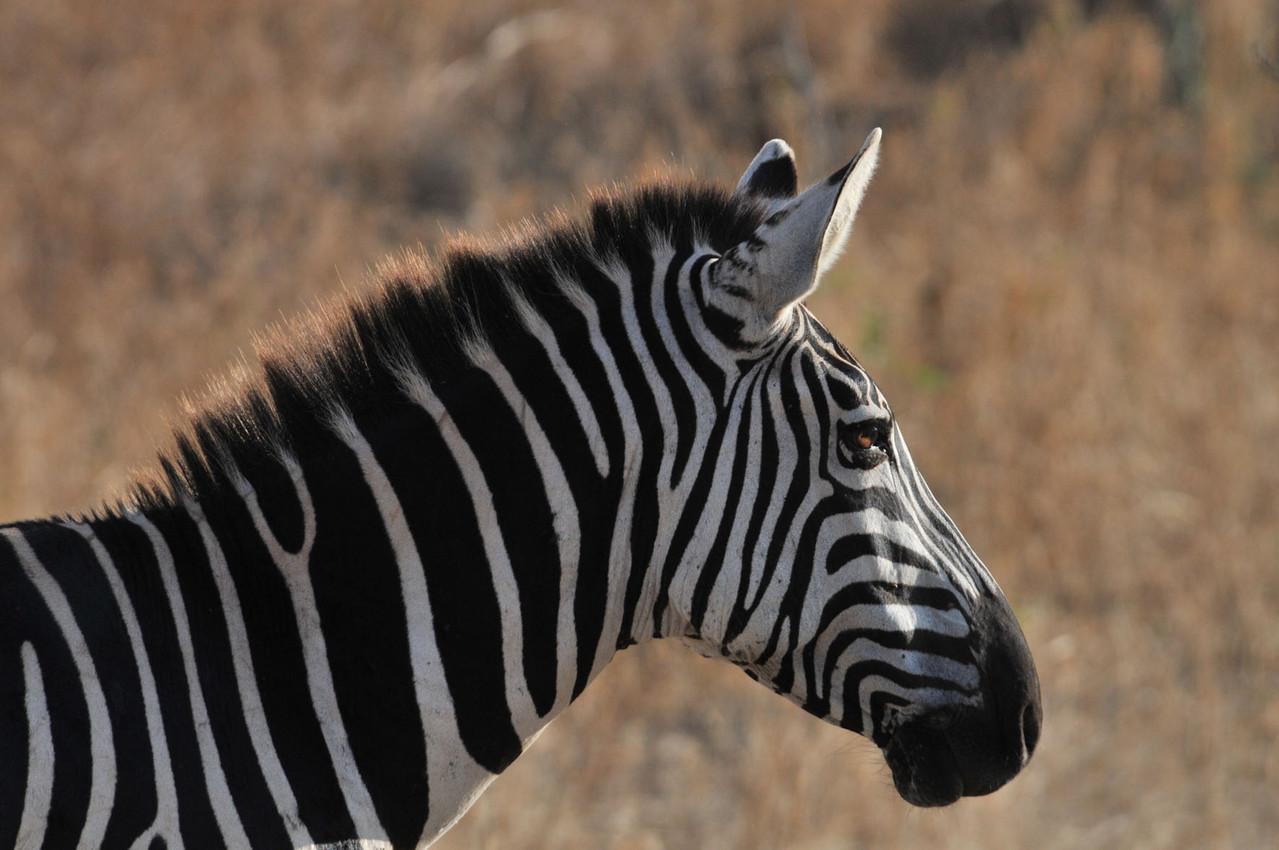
[697, 387]
[40, 755]
[447, 761]
[524, 716]
[909, 662]
[661, 393]
[619, 557]
[675, 499]
[912, 698]
[783, 476]
[670, 500]
[166, 816]
[711, 346]
[770, 596]
[874, 567]
[865, 568]
[710, 520]
[296, 570]
[224, 812]
[102, 775]
[893, 618]
[564, 519]
[246, 682]
[538, 327]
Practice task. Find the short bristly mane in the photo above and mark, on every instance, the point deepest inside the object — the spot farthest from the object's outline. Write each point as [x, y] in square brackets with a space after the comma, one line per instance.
[423, 311]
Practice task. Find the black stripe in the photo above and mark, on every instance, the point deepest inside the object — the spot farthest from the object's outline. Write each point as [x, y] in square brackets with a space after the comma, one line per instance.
[501, 446]
[716, 556]
[791, 608]
[706, 369]
[862, 670]
[645, 515]
[277, 497]
[16, 606]
[727, 328]
[769, 459]
[358, 595]
[852, 546]
[13, 717]
[212, 651]
[802, 564]
[27, 619]
[69, 559]
[546, 393]
[920, 641]
[280, 666]
[884, 500]
[814, 388]
[597, 502]
[135, 560]
[687, 523]
[681, 396]
[464, 607]
[543, 390]
[841, 393]
[885, 593]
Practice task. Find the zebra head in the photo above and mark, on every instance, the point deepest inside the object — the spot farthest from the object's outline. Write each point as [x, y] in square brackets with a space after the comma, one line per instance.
[844, 585]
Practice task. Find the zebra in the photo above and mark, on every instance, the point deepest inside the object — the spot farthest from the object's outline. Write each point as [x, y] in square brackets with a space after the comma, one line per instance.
[368, 573]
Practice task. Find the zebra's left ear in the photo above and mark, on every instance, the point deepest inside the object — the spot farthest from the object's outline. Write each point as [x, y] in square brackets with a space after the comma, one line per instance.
[771, 176]
[756, 281]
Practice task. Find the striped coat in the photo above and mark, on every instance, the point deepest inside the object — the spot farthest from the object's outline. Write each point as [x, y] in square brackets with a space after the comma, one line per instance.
[367, 576]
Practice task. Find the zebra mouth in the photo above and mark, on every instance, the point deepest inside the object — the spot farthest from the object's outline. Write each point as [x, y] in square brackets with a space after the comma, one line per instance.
[925, 769]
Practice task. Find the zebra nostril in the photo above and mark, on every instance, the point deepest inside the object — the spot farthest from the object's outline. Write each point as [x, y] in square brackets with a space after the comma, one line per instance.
[1030, 719]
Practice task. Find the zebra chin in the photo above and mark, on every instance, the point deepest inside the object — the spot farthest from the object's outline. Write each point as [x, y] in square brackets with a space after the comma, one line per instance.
[934, 764]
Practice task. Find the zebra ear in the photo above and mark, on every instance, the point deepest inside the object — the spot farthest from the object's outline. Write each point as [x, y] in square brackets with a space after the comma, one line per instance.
[771, 176]
[755, 282]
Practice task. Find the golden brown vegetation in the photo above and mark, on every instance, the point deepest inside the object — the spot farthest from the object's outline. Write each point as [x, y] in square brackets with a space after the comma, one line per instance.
[1066, 278]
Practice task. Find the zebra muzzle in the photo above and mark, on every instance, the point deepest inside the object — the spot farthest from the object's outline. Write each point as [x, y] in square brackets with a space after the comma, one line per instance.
[950, 752]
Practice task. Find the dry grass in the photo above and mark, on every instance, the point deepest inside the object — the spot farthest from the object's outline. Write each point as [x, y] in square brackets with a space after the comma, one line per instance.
[1064, 278]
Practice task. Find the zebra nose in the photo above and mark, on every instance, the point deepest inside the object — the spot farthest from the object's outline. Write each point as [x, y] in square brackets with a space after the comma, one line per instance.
[1014, 686]
[1008, 729]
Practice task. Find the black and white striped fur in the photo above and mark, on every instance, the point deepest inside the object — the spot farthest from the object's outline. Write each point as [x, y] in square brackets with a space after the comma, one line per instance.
[369, 576]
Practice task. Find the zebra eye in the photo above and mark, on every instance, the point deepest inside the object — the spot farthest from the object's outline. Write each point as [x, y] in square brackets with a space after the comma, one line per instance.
[863, 445]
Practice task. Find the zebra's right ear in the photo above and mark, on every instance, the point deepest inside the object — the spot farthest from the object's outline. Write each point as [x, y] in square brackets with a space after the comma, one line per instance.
[771, 176]
[748, 290]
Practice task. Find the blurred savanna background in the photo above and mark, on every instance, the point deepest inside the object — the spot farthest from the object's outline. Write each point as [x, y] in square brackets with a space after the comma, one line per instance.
[1065, 277]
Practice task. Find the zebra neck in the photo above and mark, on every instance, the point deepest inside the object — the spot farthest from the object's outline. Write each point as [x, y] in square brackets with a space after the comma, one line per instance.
[439, 540]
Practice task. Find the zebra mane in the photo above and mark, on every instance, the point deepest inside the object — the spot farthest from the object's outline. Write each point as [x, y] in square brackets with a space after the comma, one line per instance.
[424, 312]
